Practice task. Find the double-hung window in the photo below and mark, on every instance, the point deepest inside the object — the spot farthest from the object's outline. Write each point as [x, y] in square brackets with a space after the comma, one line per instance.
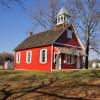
[28, 57]
[43, 56]
[18, 57]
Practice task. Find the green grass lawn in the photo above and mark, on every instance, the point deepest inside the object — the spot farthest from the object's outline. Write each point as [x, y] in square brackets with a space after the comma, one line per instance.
[60, 85]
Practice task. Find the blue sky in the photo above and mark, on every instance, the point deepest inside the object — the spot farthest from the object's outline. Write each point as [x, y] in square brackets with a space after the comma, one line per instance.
[14, 27]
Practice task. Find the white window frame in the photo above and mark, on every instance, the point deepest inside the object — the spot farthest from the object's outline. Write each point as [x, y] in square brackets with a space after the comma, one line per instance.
[69, 34]
[28, 61]
[18, 57]
[41, 56]
[69, 57]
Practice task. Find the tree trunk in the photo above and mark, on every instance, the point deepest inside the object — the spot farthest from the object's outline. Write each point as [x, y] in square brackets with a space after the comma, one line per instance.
[87, 54]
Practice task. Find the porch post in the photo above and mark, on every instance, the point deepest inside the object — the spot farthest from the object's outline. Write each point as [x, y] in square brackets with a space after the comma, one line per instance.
[52, 56]
[78, 65]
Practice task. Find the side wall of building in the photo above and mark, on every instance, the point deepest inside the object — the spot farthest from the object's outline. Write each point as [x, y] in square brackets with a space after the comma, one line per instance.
[35, 63]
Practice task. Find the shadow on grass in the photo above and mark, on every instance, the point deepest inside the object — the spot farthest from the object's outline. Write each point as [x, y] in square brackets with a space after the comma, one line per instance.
[6, 89]
[42, 93]
[8, 93]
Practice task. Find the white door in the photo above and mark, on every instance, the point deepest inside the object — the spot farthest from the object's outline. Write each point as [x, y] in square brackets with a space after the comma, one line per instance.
[58, 63]
[78, 62]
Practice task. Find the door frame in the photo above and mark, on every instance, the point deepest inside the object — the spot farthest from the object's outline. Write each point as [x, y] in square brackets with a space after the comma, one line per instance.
[58, 62]
[78, 65]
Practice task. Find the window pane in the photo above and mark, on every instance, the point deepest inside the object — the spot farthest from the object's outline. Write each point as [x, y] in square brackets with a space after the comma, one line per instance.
[28, 56]
[69, 59]
[17, 57]
[69, 34]
[43, 56]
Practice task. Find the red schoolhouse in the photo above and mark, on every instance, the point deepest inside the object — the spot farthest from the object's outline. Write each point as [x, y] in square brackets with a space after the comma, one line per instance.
[55, 49]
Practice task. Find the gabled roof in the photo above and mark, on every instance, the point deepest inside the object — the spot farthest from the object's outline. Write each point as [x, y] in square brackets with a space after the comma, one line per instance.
[43, 38]
[40, 39]
[63, 11]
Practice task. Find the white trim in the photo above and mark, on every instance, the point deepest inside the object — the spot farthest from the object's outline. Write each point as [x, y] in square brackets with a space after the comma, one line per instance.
[58, 62]
[51, 56]
[45, 56]
[56, 57]
[27, 54]
[67, 44]
[78, 37]
[78, 63]
[18, 57]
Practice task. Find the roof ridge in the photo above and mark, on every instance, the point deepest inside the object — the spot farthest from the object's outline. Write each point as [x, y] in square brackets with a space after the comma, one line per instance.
[42, 32]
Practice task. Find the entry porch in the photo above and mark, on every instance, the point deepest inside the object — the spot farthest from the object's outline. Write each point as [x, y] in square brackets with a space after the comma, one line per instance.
[67, 59]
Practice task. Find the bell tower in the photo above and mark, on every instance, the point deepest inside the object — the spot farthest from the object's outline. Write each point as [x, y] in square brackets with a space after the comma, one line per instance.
[62, 17]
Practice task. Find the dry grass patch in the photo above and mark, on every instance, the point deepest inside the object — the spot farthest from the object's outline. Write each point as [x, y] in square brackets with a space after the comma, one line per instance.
[66, 85]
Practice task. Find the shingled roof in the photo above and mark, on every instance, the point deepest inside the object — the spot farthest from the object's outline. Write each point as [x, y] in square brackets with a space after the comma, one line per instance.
[40, 39]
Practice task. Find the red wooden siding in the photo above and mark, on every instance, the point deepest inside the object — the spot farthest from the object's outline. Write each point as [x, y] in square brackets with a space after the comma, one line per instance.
[35, 64]
[69, 41]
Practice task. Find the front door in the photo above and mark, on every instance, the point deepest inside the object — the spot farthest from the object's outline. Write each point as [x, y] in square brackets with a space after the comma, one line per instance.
[58, 63]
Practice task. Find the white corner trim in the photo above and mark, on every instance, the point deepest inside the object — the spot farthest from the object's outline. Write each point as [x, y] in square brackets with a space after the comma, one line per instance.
[78, 38]
[45, 56]
[52, 57]
[56, 57]
[27, 53]
[18, 57]
[67, 45]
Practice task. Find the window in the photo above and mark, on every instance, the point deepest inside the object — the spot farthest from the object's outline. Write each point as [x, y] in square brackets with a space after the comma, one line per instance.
[18, 56]
[69, 59]
[28, 56]
[69, 34]
[58, 19]
[43, 56]
[62, 18]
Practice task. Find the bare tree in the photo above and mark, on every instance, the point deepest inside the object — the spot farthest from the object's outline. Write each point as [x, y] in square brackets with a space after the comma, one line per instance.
[53, 8]
[44, 16]
[88, 21]
[9, 3]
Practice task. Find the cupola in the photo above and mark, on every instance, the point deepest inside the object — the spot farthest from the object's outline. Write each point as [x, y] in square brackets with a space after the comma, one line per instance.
[62, 17]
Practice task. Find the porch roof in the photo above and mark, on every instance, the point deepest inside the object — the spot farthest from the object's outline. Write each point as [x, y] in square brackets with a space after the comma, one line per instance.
[72, 51]
[82, 53]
